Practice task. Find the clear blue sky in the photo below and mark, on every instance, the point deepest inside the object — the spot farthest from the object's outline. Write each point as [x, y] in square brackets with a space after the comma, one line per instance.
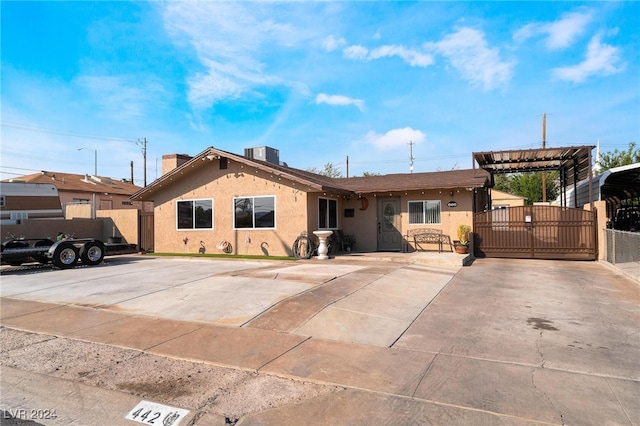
[318, 81]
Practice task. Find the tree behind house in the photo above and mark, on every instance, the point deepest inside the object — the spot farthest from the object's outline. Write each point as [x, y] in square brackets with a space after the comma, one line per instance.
[616, 158]
[330, 170]
[528, 185]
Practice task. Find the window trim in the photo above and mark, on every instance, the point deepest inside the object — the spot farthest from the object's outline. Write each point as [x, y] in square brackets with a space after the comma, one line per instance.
[193, 215]
[253, 197]
[424, 202]
[327, 218]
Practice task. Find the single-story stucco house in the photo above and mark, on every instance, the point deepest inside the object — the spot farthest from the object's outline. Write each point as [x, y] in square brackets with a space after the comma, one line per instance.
[260, 206]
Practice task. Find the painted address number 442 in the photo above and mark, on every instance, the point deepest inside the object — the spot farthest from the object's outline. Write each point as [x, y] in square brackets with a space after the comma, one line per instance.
[150, 413]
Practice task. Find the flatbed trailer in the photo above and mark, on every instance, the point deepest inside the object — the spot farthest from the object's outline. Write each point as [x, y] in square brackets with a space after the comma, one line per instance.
[64, 254]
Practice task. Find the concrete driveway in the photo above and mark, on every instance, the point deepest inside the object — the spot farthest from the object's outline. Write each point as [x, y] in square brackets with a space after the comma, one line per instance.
[405, 340]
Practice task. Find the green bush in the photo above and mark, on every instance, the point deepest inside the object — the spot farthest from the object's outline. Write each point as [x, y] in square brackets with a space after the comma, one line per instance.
[463, 233]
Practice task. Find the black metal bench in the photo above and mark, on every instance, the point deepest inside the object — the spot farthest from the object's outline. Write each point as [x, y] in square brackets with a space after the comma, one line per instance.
[423, 236]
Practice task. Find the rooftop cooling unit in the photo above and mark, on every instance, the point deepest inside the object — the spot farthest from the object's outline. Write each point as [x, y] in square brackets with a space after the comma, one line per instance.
[263, 153]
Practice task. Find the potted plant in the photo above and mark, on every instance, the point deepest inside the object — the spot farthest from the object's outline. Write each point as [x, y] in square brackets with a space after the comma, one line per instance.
[461, 245]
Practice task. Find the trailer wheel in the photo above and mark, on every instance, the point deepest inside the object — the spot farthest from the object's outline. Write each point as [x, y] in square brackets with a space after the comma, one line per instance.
[65, 256]
[92, 253]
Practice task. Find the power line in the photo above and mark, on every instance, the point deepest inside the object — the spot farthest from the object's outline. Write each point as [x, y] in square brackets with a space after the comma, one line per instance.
[30, 128]
[12, 173]
[8, 153]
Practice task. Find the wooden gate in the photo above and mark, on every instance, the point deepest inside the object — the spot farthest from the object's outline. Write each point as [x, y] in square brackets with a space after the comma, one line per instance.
[145, 227]
[536, 232]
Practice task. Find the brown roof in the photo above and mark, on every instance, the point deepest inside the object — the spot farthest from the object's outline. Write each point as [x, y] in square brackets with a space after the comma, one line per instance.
[472, 178]
[310, 180]
[79, 183]
[469, 178]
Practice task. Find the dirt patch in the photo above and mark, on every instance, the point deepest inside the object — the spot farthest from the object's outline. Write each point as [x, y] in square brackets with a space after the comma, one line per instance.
[197, 386]
[171, 388]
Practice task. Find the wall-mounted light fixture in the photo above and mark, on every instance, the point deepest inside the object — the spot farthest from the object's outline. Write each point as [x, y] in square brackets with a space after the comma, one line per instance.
[451, 193]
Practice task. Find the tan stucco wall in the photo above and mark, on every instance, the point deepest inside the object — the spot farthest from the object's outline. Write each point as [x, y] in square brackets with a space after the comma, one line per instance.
[364, 224]
[505, 199]
[125, 222]
[81, 211]
[119, 223]
[222, 186]
[49, 228]
[102, 201]
[601, 212]
[451, 216]
[296, 212]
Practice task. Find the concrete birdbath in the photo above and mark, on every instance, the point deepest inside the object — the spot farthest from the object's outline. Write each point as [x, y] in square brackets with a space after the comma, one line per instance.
[322, 248]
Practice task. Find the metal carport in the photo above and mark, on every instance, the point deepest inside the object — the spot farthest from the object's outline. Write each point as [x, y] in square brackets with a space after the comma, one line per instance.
[542, 232]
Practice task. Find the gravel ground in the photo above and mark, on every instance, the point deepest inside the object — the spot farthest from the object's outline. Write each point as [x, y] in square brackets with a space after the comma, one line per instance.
[199, 387]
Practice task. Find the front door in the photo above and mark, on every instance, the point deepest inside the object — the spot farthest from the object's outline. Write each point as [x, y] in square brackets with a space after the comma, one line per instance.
[389, 235]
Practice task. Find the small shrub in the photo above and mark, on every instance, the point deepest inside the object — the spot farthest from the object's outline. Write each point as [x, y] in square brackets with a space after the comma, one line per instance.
[463, 233]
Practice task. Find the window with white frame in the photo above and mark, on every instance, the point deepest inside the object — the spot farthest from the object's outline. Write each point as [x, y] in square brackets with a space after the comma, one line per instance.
[194, 214]
[327, 213]
[425, 212]
[254, 212]
[500, 217]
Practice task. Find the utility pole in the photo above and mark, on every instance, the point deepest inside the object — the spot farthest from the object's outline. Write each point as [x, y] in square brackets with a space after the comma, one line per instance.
[143, 142]
[132, 172]
[347, 166]
[411, 157]
[544, 145]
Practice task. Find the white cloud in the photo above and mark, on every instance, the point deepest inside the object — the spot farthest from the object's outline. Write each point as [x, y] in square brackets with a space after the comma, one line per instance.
[560, 34]
[395, 138]
[332, 43]
[339, 100]
[469, 53]
[206, 88]
[356, 52]
[411, 56]
[229, 40]
[117, 97]
[600, 60]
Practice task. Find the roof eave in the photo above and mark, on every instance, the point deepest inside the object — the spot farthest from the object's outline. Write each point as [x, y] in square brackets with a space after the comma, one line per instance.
[211, 151]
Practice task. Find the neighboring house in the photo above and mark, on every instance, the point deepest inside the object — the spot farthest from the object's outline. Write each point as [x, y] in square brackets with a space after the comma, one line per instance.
[101, 193]
[261, 207]
[503, 200]
[20, 201]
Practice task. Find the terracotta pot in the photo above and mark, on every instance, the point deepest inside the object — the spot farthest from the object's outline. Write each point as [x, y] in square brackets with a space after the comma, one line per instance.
[461, 248]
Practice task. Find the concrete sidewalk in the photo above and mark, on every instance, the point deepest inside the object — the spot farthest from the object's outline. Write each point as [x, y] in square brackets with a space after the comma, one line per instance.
[393, 341]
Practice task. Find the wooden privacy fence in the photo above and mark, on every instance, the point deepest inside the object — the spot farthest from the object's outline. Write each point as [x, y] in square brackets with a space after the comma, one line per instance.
[536, 232]
[145, 227]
